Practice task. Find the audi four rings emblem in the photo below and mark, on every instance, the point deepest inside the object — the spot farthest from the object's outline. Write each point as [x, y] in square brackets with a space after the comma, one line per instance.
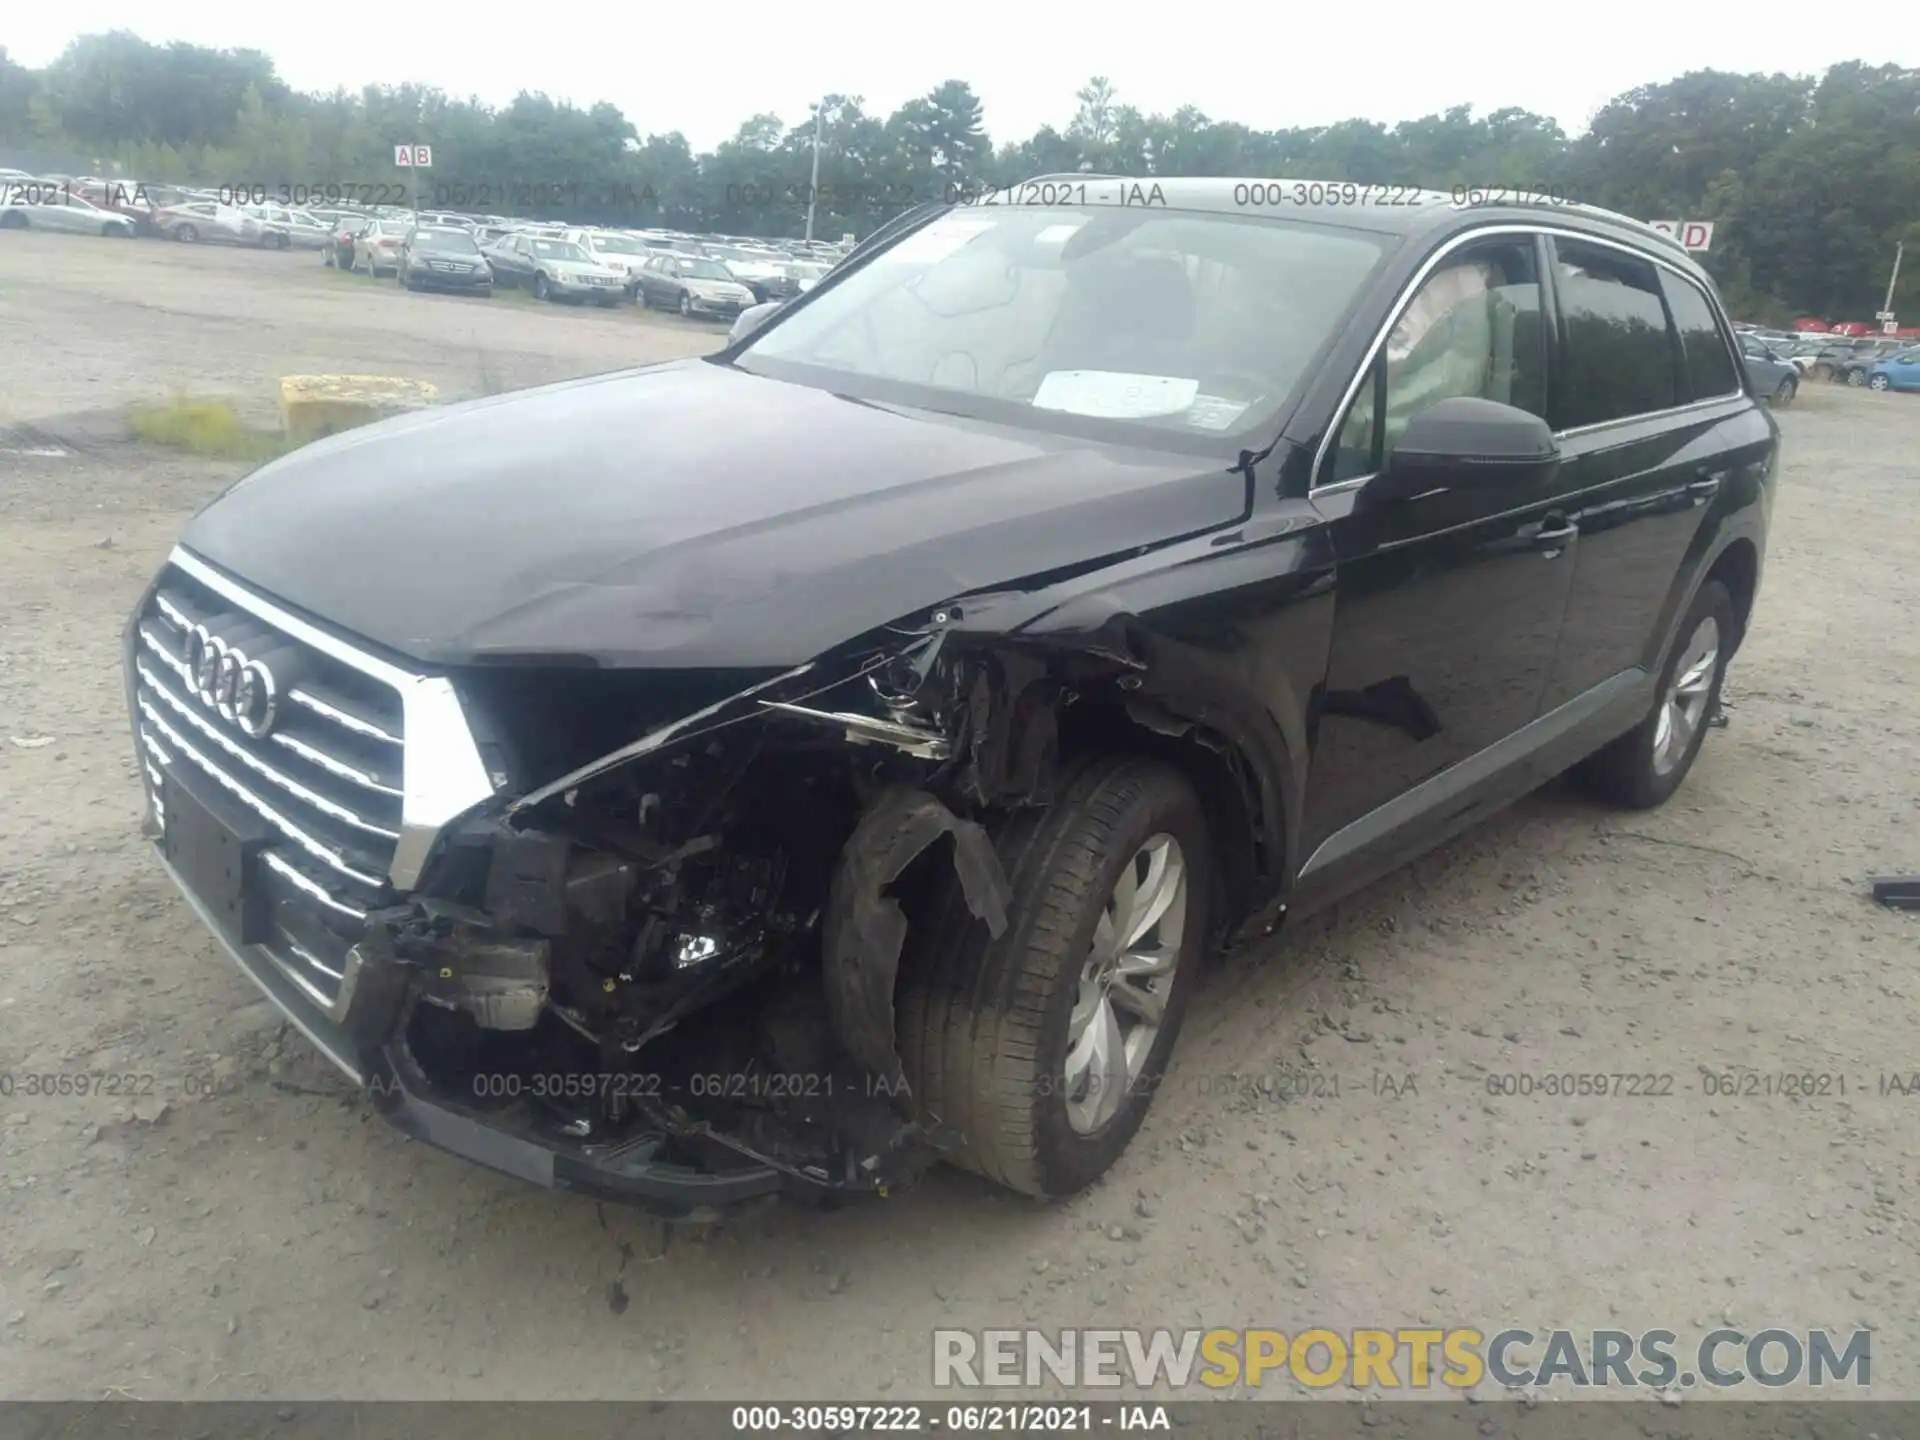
[239, 689]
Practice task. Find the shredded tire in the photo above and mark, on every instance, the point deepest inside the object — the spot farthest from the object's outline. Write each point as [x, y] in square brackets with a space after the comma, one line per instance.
[982, 1023]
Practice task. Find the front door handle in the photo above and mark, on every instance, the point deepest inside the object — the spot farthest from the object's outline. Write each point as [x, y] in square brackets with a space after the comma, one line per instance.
[1706, 487]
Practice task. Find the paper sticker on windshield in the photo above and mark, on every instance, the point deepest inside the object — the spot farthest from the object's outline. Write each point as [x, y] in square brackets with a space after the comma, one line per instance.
[1111, 395]
[1057, 234]
[935, 243]
[1210, 412]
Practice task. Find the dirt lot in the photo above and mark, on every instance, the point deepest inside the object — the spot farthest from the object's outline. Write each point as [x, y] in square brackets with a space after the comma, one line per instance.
[276, 1240]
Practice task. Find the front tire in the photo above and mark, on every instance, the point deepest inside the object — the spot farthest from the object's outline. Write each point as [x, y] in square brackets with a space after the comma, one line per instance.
[1789, 388]
[186, 234]
[1043, 1048]
[1879, 382]
[1643, 768]
[541, 290]
[686, 305]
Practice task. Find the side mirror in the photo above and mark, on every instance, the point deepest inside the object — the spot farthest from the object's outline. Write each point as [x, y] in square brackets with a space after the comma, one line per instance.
[1463, 442]
[751, 319]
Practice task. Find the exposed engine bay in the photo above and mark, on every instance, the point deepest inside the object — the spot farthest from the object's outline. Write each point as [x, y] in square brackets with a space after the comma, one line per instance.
[688, 944]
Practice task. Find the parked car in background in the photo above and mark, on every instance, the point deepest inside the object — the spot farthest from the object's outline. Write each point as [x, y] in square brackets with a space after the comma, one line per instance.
[759, 270]
[337, 254]
[798, 277]
[27, 206]
[446, 220]
[194, 222]
[122, 197]
[285, 229]
[376, 249]
[444, 257]
[555, 269]
[1898, 371]
[1854, 368]
[1769, 375]
[693, 285]
[610, 247]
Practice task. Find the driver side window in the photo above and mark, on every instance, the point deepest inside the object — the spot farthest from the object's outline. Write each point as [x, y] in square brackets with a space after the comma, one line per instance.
[1473, 328]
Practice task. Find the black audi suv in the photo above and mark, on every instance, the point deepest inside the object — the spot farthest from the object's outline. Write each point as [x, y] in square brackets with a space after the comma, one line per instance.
[776, 771]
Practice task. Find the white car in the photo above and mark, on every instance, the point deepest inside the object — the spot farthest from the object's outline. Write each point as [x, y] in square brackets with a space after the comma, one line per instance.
[610, 247]
[199, 220]
[283, 229]
[760, 271]
[33, 205]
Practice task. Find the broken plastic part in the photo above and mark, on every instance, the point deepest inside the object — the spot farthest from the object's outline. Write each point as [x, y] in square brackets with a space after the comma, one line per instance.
[864, 928]
[866, 730]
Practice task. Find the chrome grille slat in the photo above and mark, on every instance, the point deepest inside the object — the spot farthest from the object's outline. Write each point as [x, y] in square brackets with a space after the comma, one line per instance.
[319, 849]
[312, 889]
[315, 756]
[260, 767]
[345, 719]
[307, 957]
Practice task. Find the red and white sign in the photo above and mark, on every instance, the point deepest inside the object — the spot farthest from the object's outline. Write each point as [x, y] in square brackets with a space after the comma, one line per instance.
[418, 157]
[1692, 234]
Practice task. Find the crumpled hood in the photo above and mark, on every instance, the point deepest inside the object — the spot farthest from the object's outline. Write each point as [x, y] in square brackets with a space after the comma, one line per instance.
[685, 515]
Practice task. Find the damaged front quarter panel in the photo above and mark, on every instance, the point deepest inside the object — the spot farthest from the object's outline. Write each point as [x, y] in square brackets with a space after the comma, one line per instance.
[718, 910]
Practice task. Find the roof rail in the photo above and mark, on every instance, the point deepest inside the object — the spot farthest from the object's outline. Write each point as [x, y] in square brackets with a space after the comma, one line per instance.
[1060, 175]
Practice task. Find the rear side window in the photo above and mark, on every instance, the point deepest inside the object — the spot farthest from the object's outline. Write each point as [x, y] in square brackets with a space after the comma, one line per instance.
[1621, 353]
[1709, 364]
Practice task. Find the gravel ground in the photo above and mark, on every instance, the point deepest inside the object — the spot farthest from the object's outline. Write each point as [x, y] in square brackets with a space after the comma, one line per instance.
[273, 1239]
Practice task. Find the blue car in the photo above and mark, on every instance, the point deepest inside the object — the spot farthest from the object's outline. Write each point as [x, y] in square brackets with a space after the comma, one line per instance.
[1900, 371]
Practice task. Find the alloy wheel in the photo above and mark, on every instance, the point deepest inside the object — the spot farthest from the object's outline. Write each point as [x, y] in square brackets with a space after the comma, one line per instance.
[1684, 709]
[1124, 983]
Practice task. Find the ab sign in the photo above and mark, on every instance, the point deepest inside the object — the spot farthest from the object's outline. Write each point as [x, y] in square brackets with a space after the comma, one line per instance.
[1692, 234]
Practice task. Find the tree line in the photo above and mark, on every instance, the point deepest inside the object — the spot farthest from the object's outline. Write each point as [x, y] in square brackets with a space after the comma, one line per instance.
[1810, 180]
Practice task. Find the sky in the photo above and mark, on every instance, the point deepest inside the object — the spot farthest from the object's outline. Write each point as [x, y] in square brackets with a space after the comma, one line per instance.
[717, 65]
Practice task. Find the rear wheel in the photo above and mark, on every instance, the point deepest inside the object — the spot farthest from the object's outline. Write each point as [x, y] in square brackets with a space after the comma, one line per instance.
[1043, 1048]
[686, 304]
[1645, 766]
[541, 290]
[1856, 378]
[13, 220]
[186, 234]
[1822, 371]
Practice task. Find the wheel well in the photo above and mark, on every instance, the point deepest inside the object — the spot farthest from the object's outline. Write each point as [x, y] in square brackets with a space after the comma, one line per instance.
[1738, 568]
[1209, 764]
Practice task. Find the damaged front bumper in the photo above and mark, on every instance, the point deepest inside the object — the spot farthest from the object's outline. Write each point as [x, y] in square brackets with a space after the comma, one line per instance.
[365, 1039]
[676, 1164]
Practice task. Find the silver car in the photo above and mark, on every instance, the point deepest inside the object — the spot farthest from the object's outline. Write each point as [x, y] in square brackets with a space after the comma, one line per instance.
[42, 205]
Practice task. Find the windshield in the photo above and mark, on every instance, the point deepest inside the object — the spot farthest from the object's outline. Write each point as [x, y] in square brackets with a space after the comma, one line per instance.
[805, 272]
[1194, 323]
[558, 250]
[704, 270]
[618, 245]
[458, 240]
